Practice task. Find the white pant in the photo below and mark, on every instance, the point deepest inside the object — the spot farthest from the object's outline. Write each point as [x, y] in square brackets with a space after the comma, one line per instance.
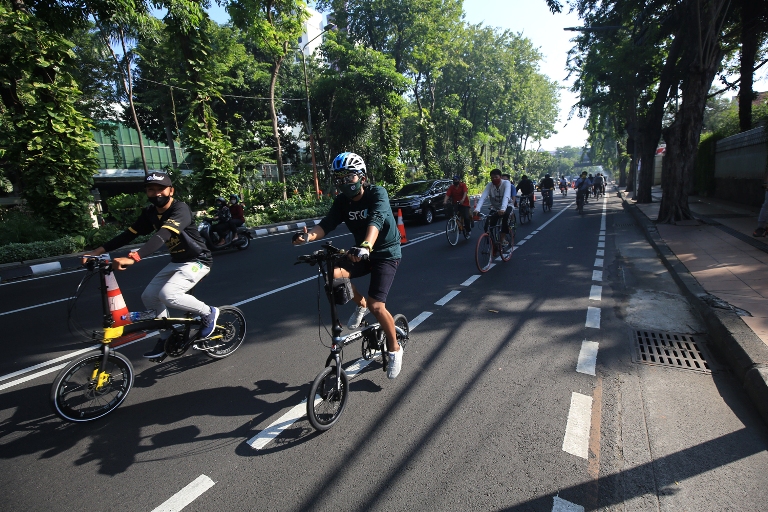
[170, 286]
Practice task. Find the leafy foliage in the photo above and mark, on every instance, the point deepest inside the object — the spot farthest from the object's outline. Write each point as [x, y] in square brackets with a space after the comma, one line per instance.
[49, 145]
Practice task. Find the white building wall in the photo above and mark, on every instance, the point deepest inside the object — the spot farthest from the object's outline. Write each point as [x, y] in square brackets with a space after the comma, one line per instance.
[312, 28]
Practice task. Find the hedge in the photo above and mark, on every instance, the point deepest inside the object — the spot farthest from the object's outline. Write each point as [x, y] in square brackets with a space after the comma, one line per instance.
[13, 253]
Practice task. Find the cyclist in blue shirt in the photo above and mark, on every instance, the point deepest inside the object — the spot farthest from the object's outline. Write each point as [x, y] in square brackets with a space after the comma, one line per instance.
[365, 210]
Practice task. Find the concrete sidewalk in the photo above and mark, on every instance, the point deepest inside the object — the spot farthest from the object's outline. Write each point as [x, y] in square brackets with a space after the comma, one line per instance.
[723, 271]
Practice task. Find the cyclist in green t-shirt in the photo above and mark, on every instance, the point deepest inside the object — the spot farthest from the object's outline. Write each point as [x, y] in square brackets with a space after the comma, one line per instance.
[365, 209]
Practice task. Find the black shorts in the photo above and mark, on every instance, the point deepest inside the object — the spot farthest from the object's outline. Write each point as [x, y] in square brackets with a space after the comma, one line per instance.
[382, 275]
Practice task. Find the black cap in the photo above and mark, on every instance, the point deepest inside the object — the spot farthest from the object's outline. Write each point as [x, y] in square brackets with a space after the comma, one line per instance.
[158, 178]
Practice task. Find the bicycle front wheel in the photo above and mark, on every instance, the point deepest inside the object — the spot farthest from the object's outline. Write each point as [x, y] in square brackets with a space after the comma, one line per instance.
[326, 400]
[452, 231]
[229, 333]
[85, 392]
[401, 324]
[484, 253]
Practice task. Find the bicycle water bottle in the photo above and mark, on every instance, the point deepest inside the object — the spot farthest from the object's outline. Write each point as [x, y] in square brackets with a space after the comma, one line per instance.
[137, 316]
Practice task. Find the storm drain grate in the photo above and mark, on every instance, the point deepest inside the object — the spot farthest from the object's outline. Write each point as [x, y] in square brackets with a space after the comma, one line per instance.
[673, 350]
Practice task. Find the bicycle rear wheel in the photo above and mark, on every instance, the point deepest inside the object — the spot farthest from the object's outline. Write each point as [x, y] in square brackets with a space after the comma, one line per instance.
[525, 215]
[484, 253]
[452, 231]
[229, 333]
[82, 392]
[326, 401]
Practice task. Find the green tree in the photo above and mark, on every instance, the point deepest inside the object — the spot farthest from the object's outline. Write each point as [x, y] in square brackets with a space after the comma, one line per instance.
[274, 25]
[49, 146]
[189, 27]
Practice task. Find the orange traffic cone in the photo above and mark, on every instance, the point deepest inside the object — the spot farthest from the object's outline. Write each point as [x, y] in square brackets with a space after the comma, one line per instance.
[401, 226]
[117, 307]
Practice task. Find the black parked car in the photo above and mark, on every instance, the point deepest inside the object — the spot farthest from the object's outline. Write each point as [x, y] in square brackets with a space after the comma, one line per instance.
[421, 200]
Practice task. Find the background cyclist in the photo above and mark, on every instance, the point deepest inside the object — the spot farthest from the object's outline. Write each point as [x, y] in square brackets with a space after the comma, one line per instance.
[498, 193]
[525, 188]
[547, 189]
[457, 194]
[365, 210]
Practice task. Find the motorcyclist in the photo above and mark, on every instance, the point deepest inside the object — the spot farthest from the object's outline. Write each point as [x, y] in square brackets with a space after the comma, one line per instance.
[223, 215]
[238, 215]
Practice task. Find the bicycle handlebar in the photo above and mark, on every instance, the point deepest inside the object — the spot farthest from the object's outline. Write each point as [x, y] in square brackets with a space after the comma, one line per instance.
[327, 252]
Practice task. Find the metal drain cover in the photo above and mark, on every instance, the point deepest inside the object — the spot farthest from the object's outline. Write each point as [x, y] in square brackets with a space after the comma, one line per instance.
[669, 349]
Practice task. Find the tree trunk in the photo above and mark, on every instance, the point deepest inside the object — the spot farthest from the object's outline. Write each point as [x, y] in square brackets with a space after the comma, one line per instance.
[749, 45]
[682, 139]
[171, 145]
[275, 126]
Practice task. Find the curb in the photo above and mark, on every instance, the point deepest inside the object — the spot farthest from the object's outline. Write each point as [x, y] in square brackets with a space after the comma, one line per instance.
[66, 262]
[731, 339]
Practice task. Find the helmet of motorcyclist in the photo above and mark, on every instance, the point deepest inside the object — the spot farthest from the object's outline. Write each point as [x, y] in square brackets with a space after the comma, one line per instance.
[234, 199]
[220, 201]
[547, 175]
[346, 164]
[525, 177]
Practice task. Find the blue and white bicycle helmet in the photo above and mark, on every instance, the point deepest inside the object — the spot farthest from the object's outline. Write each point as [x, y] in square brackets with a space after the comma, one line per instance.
[347, 163]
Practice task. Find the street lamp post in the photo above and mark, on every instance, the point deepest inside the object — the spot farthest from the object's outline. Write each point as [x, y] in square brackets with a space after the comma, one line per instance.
[328, 27]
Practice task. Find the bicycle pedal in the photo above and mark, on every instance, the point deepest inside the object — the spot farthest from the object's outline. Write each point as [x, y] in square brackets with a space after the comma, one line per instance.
[159, 359]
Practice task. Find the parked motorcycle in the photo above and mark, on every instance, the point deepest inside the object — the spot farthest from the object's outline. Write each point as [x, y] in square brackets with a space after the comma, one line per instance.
[244, 236]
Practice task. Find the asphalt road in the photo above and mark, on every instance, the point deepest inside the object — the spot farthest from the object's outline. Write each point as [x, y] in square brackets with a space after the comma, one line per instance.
[501, 404]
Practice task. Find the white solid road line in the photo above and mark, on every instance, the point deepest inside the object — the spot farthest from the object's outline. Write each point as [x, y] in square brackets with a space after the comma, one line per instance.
[187, 495]
[35, 306]
[53, 361]
[576, 441]
[587, 357]
[448, 297]
[561, 505]
[47, 363]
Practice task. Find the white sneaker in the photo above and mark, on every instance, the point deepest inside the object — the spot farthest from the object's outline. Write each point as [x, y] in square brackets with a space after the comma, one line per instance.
[395, 363]
[357, 317]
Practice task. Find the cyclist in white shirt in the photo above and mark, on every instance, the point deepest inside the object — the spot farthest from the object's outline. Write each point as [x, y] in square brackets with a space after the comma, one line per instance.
[498, 193]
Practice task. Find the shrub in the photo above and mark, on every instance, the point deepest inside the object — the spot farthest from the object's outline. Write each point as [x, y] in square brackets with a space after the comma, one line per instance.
[125, 208]
[18, 225]
[12, 253]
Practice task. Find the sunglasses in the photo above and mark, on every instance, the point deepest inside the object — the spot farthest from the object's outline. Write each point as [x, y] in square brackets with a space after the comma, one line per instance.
[349, 178]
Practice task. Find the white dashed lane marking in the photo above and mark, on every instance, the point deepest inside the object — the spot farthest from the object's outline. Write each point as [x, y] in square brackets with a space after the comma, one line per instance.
[471, 280]
[596, 292]
[576, 440]
[593, 318]
[587, 357]
[187, 495]
[448, 296]
[597, 275]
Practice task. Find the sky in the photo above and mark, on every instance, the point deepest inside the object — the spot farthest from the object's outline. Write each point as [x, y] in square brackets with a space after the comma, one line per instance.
[533, 19]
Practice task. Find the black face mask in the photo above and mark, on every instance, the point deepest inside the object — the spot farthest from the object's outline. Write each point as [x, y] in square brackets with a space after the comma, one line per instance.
[159, 201]
[456, 183]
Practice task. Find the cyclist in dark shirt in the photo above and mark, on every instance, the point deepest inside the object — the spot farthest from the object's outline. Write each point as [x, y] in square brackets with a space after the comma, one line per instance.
[547, 189]
[365, 209]
[525, 188]
[171, 220]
